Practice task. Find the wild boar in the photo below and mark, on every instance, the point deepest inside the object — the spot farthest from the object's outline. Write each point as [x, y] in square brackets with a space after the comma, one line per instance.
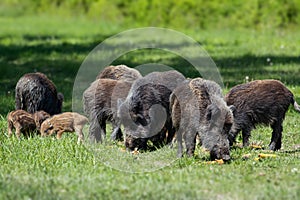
[100, 105]
[64, 122]
[21, 121]
[198, 108]
[260, 102]
[145, 113]
[34, 92]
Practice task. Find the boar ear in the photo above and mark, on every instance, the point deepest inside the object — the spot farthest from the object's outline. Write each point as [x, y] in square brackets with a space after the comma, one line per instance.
[212, 112]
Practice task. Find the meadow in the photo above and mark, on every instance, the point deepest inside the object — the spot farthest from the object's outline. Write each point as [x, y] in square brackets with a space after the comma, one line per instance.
[46, 168]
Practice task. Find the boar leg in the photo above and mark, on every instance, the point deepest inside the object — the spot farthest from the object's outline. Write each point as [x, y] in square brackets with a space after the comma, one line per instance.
[275, 143]
[171, 133]
[246, 133]
[9, 128]
[18, 129]
[79, 132]
[232, 135]
[95, 131]
[179, 142]
[103, 128]
[59, 134]
[18, 132]
[190, 142]
[116, 133]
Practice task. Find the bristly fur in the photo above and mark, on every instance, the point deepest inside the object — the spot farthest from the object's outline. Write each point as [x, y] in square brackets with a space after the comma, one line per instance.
[260, 102]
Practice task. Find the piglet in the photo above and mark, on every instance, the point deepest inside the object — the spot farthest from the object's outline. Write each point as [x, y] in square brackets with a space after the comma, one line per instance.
[65, 122]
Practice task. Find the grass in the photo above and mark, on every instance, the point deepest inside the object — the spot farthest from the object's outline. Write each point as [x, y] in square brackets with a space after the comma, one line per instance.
[45, 168]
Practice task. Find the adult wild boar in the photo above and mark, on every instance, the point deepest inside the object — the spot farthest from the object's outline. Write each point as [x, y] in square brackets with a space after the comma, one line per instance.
[260, 102]
[145, 113]
[64, 122]
[198, 108]
[34, 92]
[119, 72]
[100, 105]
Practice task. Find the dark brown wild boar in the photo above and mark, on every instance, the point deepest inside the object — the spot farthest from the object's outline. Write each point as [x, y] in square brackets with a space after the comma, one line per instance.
[198, 108]
[21, 121]
[64, 122]
[260, 102]
[34, 92]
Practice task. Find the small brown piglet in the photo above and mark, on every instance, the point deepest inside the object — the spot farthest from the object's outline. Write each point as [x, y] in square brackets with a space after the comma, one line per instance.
[39, 117]
[21, 121]
[65, 122]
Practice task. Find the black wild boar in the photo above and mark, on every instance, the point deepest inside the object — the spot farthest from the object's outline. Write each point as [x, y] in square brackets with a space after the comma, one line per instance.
[21, 121]
[34, 92]
[145, 113]
[119, 72]
[100, 105]
[198, 108]
[64, 122]
[260, 102]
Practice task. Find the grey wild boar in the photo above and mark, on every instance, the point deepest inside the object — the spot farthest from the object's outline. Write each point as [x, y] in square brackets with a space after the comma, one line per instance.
[119, 72]
[34, 92]
[64, 122]
[198, 108]
[100, 105]
[39, 117]
[21, 121]
[145, 113]
[260, 102]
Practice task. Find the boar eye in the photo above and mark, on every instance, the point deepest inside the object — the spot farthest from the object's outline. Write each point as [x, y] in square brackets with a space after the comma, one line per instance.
[50, 125]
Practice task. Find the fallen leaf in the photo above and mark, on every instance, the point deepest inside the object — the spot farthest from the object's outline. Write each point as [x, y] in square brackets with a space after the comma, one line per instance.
[220, 162]
[254, 146]
[135, 151]
[265, 155]
[256, 159]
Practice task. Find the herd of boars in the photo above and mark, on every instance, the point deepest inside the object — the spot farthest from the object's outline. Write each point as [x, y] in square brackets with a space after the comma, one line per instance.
[161, 107]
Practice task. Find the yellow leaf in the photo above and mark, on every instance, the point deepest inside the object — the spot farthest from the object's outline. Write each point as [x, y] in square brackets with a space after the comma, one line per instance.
[264, 155]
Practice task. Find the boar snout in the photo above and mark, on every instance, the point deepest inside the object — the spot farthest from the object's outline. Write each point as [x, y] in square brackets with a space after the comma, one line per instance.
[45, 128]
[220, 152]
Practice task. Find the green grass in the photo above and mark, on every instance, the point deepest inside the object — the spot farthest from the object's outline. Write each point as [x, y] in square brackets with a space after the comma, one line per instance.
[46, 168]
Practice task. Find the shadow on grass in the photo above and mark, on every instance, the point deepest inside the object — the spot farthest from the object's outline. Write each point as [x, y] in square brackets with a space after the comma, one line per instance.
[60, 60]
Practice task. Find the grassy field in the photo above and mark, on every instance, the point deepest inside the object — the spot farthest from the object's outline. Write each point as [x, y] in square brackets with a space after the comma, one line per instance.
[45, 168]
